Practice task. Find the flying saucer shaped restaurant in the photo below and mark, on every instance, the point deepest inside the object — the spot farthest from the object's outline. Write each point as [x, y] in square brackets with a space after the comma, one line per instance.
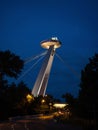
[51, 42]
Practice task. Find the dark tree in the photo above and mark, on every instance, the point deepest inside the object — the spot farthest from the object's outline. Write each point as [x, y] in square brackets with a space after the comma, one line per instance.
[71, 101]
[13, 100]
[68, 98]
[88, 94]
[10, 64]
[22, 90]
[18, 98]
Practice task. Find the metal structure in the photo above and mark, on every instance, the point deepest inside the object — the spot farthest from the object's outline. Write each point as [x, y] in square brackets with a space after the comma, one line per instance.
[43, 76]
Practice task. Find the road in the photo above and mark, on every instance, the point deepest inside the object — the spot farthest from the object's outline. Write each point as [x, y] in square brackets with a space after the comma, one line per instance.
[35, 123]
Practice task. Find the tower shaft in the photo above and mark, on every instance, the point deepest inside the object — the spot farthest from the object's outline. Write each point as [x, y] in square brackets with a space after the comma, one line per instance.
[43, 76]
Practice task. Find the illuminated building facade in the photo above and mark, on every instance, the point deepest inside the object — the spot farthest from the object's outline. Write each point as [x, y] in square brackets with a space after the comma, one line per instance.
[43, 76]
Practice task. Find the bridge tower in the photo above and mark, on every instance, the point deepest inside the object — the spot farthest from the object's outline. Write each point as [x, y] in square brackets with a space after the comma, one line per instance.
[43, 76]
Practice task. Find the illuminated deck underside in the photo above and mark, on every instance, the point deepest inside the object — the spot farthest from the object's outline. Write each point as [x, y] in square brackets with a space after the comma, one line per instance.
[47, 44]
[43, 76]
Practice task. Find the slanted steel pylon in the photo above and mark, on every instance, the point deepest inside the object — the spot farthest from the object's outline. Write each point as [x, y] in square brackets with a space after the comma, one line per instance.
[43, 76]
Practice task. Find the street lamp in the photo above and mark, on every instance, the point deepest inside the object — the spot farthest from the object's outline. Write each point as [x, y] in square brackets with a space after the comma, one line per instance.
[43, 101]
[29, 98]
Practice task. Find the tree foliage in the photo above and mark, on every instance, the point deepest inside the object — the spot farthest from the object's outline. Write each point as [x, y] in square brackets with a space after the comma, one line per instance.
[13, 100]
[88, 94]
[10, 95]
[71, 101]
[10, 64]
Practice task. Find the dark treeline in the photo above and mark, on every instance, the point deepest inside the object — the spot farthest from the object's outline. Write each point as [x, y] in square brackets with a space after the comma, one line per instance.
[87, 103]
[12, 100]
[85, 106]
[11, 96]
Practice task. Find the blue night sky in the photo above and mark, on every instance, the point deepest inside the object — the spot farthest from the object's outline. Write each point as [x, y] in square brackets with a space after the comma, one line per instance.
[25, 23]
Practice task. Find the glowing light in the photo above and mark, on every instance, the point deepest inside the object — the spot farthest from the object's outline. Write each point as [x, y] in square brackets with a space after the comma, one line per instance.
[29, 98]
[54, 38]
[60, 105]
[51, 42]
[43, 101]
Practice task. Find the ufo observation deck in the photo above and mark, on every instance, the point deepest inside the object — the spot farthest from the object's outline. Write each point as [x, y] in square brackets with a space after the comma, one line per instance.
[51, 42]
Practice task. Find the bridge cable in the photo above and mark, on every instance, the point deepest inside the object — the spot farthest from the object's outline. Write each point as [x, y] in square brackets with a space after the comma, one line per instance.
[34, 57]
[74, 72]
[30, 68]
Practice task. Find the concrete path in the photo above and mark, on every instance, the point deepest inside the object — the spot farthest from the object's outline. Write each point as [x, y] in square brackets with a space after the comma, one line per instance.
[36, 124]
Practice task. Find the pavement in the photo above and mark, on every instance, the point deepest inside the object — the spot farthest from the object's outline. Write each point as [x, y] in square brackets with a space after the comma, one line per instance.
[35, 123]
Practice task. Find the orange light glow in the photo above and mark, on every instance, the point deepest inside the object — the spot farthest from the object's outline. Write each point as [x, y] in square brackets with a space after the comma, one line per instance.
[29, 98]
